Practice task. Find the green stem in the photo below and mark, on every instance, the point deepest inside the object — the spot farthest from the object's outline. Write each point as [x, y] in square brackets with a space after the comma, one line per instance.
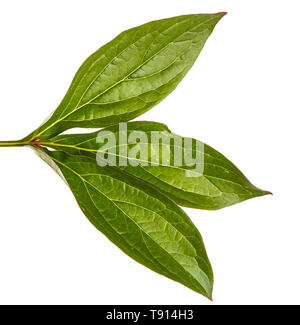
[13, 143]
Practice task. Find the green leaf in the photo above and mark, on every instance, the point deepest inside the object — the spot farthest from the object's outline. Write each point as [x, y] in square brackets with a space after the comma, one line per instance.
[219, 183]
[140, 220]
[130, 74]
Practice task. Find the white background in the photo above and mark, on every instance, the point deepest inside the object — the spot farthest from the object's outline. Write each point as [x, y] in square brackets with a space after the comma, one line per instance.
[241, 97]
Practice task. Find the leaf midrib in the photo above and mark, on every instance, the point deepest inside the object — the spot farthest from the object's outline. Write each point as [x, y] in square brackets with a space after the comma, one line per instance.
[76, 147]
[162, 165]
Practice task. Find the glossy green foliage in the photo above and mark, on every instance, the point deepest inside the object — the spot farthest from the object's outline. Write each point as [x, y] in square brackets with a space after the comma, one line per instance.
[131, 74]
[134, 201]
[217, 185]
[140, 220]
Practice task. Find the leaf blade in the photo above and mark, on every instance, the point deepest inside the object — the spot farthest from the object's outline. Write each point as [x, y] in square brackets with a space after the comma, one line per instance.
[131, 74]
[221, 183]
[141, 221]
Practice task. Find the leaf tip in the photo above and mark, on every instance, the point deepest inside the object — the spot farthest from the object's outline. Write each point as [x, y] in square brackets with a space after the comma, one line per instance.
[260, 192]
[209, 293]
[210, 298]
[220, 15]
[263, 193]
